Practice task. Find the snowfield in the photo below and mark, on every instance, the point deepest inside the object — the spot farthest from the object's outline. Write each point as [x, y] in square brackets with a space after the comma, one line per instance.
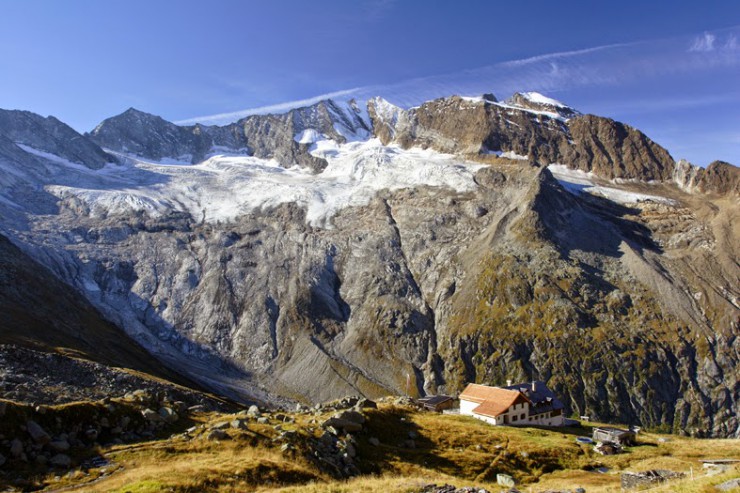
[577, 181]
[226, 186]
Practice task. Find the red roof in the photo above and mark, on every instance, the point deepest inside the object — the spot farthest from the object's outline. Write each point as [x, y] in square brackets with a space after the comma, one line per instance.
[494, 401]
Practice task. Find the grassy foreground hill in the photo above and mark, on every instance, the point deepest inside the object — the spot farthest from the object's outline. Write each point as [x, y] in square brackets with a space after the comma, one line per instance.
[392, 448]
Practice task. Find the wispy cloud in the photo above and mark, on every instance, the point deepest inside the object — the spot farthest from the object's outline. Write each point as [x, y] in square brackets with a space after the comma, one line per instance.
[704, 42]
[263, 110]
[599, 66]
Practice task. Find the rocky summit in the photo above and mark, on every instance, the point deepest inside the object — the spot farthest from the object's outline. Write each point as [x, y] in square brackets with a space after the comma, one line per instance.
[359, 248]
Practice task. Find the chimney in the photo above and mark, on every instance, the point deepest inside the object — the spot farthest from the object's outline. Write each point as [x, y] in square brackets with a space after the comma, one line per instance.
[508, 383]
[534, 386]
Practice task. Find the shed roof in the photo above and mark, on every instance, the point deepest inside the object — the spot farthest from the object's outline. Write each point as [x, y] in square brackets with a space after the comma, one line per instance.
[617, 432]
[435, 399]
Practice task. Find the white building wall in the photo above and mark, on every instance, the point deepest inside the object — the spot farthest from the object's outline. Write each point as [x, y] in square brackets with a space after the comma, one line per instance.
[517, 410]
[466, 407]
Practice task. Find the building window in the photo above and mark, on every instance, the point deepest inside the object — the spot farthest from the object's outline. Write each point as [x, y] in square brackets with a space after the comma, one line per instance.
[513, 418]
[522, 417]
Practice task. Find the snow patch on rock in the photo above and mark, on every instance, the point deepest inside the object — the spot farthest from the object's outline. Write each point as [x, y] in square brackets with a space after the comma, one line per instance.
[578, 181]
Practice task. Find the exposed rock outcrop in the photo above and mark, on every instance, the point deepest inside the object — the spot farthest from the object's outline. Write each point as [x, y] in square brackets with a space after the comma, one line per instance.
[51, 136]
[149, 136]
[541, 132]
[719, 178]
[284, 137]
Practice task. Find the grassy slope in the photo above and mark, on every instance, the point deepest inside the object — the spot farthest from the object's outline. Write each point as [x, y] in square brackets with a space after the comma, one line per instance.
[449, 449]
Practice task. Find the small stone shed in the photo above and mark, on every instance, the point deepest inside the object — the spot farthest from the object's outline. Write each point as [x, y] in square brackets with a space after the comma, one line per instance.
[437, 403]
[614, 435]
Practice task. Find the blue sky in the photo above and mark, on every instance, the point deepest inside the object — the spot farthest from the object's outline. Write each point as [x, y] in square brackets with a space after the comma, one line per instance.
[670, 68]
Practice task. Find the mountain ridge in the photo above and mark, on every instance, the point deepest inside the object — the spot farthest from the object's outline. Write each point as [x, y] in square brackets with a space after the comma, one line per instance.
[489, 264]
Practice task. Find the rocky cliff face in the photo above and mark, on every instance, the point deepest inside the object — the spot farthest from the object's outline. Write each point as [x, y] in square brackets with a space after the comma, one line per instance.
[484, 268]
[39, 311]
[718, 178]
[285, 137]
[51, 136]
[149, 136]
[541, 132]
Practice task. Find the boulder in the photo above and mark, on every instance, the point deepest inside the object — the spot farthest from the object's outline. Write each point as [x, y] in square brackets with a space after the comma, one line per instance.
[217, 435]
[374, 441]
[16, 448]
[239, 424]
[59, 445]
[730, 485]
[354, 416]
[37, 433]
[168, 415]
[366, 404]
[61, 460]
[253, 411]
[344, 424]
[151, 416]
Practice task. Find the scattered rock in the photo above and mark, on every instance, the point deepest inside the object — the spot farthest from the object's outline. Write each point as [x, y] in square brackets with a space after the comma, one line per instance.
[239, 424]
[61, 460]
[354, 416]
[16, 448]
[37, 433]
[91, 434]
[448, 488]
[729, 485]
[343, 424]
[180, 407]
[217, 435]
[151, 416]
[366, 404]
[263, 420]
[631, 480]
[59, 445]
[168, 414]
[373, 441]
[253, 411]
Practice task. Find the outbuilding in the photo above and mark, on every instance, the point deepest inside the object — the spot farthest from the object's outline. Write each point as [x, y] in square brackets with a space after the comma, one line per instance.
[437, 403]
[614, 435]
